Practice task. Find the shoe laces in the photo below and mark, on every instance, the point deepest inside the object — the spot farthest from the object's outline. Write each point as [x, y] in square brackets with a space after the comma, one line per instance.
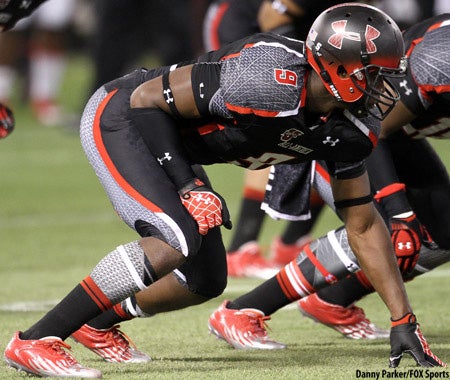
[59, 347]
[355, 314]
[118, 339]
[256, 324]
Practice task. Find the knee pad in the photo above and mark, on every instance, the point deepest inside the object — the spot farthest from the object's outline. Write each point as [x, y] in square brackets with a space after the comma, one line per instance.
[123, 272]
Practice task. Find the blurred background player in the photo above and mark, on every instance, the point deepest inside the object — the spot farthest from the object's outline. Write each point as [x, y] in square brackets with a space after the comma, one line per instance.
[127, 30]
[36, 46]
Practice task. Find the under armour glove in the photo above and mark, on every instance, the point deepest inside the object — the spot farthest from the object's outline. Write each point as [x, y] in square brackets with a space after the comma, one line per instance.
[6, 121]
[206, 206]
[12, 11]
[406, 337]
[407, 235]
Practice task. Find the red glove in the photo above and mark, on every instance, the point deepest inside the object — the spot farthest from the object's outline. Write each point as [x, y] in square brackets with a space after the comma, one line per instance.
[6, 121]
[407, 235]
[206, 206]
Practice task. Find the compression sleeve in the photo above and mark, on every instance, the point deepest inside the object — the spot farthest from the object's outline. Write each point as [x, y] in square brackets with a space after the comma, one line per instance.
[160, 132]
[382, 174]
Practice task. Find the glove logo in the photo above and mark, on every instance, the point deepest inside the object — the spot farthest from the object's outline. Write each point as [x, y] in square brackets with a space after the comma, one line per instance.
[25, 4]
[401, 246]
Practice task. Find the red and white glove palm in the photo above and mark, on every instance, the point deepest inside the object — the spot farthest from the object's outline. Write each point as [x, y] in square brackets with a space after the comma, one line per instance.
[206, 206]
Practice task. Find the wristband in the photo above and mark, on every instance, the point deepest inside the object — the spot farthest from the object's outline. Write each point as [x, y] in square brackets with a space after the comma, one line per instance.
[407, 318]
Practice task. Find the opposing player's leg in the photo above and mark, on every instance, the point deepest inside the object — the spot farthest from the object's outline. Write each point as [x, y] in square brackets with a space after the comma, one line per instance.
[429, 195]
[321, 263]
[245, 256]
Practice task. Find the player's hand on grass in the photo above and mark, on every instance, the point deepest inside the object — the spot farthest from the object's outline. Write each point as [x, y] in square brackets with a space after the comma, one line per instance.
[206, 206]
[6, 121]
[406, 337]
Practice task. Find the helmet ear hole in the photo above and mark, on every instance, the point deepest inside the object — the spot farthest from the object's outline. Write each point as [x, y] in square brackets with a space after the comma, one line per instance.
[342, 72]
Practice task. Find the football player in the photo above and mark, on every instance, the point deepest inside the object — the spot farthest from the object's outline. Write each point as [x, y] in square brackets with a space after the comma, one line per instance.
[422, 111]
[264, 100]
[225, 22]
[420, 181]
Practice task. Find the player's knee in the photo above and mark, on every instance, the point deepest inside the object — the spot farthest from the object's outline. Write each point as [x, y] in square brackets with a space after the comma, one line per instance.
[210, 287]
[186, 240]
[208, 284]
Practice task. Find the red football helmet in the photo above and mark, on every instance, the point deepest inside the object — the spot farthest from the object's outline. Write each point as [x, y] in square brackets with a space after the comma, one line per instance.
[354, 47]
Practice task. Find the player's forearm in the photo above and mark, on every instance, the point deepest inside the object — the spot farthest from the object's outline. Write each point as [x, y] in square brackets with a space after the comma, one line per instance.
[376, 257]
[161, 135]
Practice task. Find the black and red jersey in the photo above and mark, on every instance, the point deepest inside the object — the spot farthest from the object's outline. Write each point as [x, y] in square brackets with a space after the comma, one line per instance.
[426, 88]
[251, 95]
[254, 91]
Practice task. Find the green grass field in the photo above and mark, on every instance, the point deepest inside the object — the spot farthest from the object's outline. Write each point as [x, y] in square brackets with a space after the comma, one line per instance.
[56, 223]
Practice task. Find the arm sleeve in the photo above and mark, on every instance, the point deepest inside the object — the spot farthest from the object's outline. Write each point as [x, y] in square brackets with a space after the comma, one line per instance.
[382, 173]
[161, 134]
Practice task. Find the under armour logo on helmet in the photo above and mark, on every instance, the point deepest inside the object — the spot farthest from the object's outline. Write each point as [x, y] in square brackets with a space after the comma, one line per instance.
[340, 34]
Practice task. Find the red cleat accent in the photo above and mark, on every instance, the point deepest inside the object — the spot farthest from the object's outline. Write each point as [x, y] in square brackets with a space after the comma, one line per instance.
[248, 261]
[349, 321]
[45, 357]
[243, 329]
[111, 344]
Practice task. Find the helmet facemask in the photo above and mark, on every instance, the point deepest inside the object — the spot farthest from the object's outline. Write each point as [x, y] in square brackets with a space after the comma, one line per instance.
[380, 96]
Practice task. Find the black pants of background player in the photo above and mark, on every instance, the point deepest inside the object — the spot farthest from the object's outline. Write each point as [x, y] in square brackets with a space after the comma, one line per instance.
[128, 29]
